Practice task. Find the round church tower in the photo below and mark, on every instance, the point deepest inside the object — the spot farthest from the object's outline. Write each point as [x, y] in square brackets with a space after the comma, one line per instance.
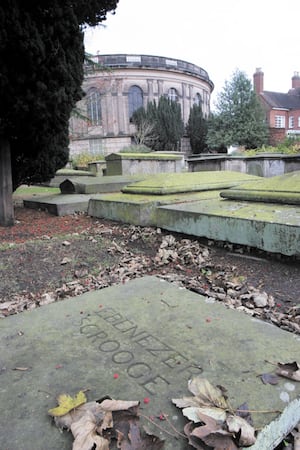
[117, 85]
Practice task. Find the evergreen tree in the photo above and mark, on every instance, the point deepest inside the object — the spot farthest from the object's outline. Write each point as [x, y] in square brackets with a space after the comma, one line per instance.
[164, 124]
[41, 72]
[197, 129]
[239, 117]
[169, 125]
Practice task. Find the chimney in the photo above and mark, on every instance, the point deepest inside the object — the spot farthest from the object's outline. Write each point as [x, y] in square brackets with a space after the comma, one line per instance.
[258, 80]
[296, 80]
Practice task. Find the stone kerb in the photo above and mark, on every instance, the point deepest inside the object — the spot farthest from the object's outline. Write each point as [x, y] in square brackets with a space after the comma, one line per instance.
[263, 165]
[143, 163]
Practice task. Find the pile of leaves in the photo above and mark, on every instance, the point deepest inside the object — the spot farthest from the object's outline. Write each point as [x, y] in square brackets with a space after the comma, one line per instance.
[97, 424]
[213, 423]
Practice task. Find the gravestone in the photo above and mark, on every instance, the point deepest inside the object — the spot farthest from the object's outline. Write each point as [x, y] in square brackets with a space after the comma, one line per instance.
[155, 337]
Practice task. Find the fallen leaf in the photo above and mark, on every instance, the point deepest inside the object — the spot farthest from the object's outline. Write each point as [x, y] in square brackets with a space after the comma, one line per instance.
[67, 403]
[244, 432]
[269, 378]
[206, 394]
[289, 370]
[65, 260]
[117, 405]
[75, 414]
[193, 440]
[213, 435]
[84, 432]
[192, 413]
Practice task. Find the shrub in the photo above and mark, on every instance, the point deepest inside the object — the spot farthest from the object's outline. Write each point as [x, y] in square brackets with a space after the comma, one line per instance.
[290, 146]
[83, 159]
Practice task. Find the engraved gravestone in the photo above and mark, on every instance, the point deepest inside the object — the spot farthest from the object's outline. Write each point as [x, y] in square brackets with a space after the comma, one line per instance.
[155, 337]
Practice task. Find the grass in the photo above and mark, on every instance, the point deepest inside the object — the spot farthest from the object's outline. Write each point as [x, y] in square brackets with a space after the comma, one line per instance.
[35, 190]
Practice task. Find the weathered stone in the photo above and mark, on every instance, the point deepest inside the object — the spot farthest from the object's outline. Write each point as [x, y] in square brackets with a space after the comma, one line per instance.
[155, 336]
[281, 189]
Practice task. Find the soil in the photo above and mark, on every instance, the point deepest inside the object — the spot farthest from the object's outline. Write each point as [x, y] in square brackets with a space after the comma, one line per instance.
[45, 258]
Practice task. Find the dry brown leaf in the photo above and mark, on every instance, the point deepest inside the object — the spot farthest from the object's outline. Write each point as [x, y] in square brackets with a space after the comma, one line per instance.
[241, 428]
[289, 370]
[193, 413]
[213, 435]
[269, 378]
[84, 432]
[193, 440]
[206, 393]
[117, 405]
[76, 414]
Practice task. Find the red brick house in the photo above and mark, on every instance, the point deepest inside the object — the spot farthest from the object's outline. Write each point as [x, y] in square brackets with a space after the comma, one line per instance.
[282, 110]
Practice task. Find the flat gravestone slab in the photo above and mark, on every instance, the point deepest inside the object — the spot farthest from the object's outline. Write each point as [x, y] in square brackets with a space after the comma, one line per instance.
[138, 209]
[170, 183]
[280, 189]
[271, 227]
[155, 336]
[59, 204]
[93, 185]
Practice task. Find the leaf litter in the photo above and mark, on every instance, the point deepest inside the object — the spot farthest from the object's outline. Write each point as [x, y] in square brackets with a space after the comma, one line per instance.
[99, 424]
[213, 422]
[186, 262]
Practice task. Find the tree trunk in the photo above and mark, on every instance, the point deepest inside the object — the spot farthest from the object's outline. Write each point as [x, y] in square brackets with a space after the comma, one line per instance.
[6, 200]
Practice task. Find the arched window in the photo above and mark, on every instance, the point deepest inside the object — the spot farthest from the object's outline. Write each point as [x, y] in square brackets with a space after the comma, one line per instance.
[94, 106]
[172, 95]
[135, 99]
[198, 99]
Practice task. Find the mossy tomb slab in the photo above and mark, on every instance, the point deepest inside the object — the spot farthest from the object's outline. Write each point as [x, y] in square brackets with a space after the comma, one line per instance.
[138, 209]
[281, 189]
[59, 204]
[271, 227]
[155, 336]
[93, 185]
[169, 183]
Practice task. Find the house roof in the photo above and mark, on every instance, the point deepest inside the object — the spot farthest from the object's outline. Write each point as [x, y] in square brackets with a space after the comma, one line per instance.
[291, 100]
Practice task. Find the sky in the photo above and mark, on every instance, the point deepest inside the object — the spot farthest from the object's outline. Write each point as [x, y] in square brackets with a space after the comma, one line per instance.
[220, 36]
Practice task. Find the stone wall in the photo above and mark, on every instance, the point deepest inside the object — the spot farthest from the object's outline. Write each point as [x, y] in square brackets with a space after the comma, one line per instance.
[260, 165]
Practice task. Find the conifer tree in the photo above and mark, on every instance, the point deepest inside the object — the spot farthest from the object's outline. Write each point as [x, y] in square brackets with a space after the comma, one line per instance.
[41, 72]
[197, 129]
[239, 117]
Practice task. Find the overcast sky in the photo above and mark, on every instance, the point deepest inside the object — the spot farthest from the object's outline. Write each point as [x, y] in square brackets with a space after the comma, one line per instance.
[218, 35]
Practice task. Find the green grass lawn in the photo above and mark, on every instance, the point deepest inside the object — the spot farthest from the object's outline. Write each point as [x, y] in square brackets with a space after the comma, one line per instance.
[35, 190]
[24, 192]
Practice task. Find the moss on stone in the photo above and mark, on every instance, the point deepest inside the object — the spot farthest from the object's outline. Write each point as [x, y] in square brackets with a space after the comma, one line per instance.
[289, 182]
[167, 183]
[147, 156]
[289, 198]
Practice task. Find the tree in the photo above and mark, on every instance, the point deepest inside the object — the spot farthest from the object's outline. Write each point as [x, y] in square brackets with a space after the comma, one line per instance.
[144, 128]
[41, 72]
[197, 129]
[164, 124]
[239, 117]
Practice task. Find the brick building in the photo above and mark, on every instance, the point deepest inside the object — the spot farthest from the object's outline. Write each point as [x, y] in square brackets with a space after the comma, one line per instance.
[120, 84]
[282, 109]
